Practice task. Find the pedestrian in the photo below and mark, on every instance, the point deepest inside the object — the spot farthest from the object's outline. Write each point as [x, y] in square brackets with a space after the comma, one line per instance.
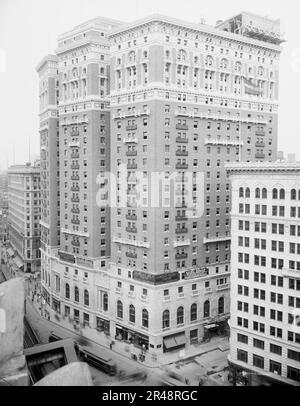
[111, 345]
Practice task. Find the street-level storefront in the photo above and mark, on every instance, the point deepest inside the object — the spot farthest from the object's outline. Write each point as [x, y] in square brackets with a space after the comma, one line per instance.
[174, 342]
[103, 325]
[132, 337]
[217, 328]
[56, 305]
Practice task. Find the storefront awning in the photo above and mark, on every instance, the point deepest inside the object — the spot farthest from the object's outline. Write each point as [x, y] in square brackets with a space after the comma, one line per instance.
[10, 252]
[170, 342]
[177, 340]
[180, 339]
[18, 262]
[210, 326]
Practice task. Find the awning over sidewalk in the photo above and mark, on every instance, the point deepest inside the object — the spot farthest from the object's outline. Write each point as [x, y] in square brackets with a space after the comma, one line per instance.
[211, 326]
[10, 252]
[18, 261]
[176, 340]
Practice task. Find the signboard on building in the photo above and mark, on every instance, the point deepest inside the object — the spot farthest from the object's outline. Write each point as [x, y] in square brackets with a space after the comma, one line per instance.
[64, 256]
[194, 273]
[156, 279]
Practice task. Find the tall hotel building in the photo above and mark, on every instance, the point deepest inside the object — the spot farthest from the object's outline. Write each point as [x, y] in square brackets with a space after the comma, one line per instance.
[265, 273]
[157, 96]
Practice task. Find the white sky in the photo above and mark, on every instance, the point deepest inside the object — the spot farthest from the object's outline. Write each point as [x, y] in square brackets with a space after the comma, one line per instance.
[29, 30]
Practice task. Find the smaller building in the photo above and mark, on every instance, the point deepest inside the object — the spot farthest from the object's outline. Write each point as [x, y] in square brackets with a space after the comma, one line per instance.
[23, 249]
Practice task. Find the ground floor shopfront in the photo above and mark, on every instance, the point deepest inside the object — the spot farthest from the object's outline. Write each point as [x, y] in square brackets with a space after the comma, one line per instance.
[137, 345]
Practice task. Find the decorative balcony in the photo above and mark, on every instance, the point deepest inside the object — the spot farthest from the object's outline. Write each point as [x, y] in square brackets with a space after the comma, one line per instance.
[75, 177]
[129, 140]
[182, 153]
[181, 230]
[134, 113]
[75, 211]
[182, 243]
[131, 153]
[181, 166]
[75, 221]
[75, 155]
[220, 117]
[223, 287]
[75, 243]
[74, 145]
[216, 239]
[131, 230]
[75, 166]
[260, 156]
[131, 127]
[227, 143]
[75, 199]
[181, 218]
[132, 217]
[182, 139]
[182, 127]
[75, 188]
[132, 255]
[183, 255]
[260, 133]
[131, 166]
[75, 133]
[260, 144]
[134, 243]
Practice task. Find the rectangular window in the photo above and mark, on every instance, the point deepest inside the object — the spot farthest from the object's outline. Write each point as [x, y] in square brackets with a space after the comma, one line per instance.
[258, 361]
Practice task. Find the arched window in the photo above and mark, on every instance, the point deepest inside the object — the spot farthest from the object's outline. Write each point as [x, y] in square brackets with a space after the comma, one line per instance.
[209, 60]
[241, 192]
[119, 309]
[275, 194]
[194, 312]
[238, 67]
[206, 309]
[181, 56]
[224, 63]
[145, 318]
[221, 305]
[105, 302]
[132, 314]
[76, 294]
[282, 194]
[247, 193]
[131, 56]
[264, 193]
[166, 319]
[180, 315]
[86, 298]
[257, 193]
[67, 291]
[293, 194]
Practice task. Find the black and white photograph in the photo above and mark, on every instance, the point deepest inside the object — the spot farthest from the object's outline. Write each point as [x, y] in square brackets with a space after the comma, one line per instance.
[149, 197]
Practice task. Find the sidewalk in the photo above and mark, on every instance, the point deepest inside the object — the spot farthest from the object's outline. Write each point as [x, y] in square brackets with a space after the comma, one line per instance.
[100, 342]
[44, 327]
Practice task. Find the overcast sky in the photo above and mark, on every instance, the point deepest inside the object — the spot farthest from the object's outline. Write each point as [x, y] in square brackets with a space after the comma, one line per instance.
[29, 30]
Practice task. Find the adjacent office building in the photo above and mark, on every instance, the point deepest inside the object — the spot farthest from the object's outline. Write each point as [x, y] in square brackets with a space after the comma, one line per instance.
[23, 251]
[265, 273]
[157, 96]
